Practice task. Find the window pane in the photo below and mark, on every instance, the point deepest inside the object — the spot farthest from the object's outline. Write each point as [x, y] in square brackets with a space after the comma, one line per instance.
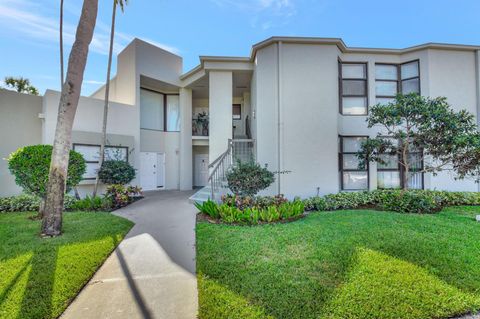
[351, 161]
[173, 113]
[236, 111]
[409, 70]
[115, 153]
[352, 144]
[415, 180]
[384, 100]
[354, 87]
[391, 162]
[386, 72]
[354, 105]
[388, 179]
[151, 110]
[353, 71]
[355, 180]
[411, 86]
[415, 161]
[91, 171]
[90, 153]
[385, 88]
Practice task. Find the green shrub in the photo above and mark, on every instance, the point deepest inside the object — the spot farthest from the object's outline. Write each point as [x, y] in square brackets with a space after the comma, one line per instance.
[231, 214]
[28, 203]
[247, 179]
[92, 204]
[243, 202]
[120, 195]
[409, 201]
[209, 208]
[116, 172]
[31, 164]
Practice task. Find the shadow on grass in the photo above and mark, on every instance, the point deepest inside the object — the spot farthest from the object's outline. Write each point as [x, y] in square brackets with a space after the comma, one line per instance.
[37, 300]
[294, 270]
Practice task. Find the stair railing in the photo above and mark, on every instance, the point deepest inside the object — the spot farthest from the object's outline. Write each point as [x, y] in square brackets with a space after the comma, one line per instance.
[220, 167]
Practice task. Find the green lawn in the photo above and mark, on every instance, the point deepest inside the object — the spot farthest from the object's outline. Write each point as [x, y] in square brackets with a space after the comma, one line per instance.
[39, 277]
[344, 264]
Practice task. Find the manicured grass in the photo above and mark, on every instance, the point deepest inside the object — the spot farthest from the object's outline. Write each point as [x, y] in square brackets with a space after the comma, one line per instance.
[39, 277]
[343, 264]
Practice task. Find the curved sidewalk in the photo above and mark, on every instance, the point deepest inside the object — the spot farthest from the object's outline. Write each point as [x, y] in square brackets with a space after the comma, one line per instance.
[151, 274]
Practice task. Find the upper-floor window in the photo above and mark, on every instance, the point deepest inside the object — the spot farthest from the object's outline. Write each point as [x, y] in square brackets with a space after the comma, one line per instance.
[158, 111]
[352, 177]
[237, 111]
[391, 79]
[353, 86]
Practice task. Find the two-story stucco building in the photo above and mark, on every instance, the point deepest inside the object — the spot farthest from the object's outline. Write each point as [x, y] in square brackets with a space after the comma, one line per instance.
[295, 104]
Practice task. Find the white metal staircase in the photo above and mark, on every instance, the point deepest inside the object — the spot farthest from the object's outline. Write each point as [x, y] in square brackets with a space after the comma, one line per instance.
[242, 150]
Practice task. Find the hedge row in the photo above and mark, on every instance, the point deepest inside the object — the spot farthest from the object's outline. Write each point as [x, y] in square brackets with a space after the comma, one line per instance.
[116, 196]
[409, 201]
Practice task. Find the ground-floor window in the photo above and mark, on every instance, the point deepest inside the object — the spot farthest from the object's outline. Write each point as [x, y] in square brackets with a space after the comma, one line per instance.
[91, 154]
[352, 177]
[390, 173]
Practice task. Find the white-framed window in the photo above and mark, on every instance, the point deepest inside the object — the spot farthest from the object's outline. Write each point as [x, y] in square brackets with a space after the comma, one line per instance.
[352, 177]
[353, 87]
[91, 154]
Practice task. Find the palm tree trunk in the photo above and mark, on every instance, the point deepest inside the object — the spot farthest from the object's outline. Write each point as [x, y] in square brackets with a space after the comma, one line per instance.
[52, 220]
[107, 97]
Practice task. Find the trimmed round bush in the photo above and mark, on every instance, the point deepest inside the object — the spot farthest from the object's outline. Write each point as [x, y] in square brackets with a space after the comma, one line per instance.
[116, 172]
[31, 164]
[247, 179]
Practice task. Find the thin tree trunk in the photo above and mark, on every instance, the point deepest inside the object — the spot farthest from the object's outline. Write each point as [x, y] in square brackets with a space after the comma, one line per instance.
[107, 97]
[52, 220]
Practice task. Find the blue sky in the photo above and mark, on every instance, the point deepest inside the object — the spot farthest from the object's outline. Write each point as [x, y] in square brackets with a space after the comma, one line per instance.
[29, 29]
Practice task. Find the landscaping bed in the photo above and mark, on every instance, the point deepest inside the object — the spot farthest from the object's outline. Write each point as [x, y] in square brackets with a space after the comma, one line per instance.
[40, 276]
[342, 264]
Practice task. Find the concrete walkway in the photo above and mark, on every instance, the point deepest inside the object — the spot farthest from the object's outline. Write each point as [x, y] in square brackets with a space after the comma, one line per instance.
[151, 274]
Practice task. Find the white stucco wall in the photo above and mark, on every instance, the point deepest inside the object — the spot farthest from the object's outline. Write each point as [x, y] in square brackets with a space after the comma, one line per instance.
[220, 109]
[20, 126]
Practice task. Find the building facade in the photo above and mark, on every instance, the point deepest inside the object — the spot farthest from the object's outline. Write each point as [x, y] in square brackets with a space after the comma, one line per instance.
[295, 104]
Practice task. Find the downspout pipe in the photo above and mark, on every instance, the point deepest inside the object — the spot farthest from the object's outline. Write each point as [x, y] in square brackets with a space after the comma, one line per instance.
[477, 87]
[279, 116]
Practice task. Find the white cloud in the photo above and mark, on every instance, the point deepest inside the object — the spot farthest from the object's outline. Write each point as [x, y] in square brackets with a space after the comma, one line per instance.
[265, 14]
[24, 18]
[94, 82]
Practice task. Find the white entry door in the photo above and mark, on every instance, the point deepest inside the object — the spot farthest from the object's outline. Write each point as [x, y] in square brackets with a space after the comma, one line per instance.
[201, 169]
[148, 170]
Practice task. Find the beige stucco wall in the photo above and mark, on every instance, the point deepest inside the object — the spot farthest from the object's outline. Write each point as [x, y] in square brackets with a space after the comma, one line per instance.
[19, 126]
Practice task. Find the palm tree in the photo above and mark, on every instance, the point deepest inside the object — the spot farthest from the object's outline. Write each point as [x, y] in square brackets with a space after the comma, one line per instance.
[121, 3]
[52, 219]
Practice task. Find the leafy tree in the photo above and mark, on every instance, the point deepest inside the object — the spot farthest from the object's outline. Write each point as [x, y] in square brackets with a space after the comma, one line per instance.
[30, 166]
[21, 85]
[116, 3]
[247, 179]
[52, 220]
[415, 129]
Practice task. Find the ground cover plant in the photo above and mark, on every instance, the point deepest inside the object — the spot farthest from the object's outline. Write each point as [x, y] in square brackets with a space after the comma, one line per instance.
[342, 264]
[39, 277]
[252, 210]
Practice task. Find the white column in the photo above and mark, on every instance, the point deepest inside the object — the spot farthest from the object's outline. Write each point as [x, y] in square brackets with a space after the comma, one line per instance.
[220, 113]
[186, 173]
